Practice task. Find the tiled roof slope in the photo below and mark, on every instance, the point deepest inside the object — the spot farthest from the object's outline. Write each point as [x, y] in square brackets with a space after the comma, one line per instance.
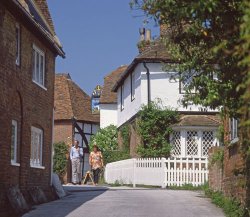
[156, 50]
[199, 120]
[107, 95]
[72, 101]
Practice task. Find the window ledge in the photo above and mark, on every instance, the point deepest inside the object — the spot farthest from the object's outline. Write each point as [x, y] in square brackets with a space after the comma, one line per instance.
[37, 167]
[39, 85]
[15, 164]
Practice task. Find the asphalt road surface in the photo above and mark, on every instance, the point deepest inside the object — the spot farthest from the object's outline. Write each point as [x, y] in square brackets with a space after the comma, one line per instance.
[128, 202]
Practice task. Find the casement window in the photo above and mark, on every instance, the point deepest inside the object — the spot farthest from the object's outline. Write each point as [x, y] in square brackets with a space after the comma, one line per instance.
[38, 63]
[18, 44]
[234, 124]
[122, 97]
[192, 143]
[14, 143]
[36, 147]
[132, 81]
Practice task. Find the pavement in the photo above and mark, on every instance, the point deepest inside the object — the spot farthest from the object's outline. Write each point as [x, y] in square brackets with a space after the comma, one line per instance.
[88, 201]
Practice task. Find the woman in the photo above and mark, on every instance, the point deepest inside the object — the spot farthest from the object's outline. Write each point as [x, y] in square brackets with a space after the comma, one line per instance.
[96, 163]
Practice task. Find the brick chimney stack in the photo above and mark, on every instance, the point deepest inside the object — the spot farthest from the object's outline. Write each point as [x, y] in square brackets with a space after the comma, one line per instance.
[145, 39]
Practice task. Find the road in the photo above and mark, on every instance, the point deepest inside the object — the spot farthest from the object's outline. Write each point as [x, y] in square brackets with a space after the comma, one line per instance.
[128, 202]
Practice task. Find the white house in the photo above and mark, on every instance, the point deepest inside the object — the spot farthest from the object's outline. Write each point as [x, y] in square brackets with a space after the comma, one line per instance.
[145, 80]
[108, 100]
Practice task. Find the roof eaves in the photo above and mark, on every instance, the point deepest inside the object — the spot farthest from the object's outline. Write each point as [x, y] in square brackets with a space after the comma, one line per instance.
[45, 33]
[134, 64]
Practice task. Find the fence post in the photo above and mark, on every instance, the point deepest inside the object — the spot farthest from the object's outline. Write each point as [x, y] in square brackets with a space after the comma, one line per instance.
[134, 172]
[163, 166]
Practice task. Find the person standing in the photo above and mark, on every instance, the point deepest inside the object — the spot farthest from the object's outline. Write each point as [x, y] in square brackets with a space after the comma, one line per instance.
[96, 163]
[76, 153]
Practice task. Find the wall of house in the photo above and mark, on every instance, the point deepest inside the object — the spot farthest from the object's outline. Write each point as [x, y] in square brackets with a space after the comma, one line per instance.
[162, 87]
[108, 115]
[26, 102]
[63, 131]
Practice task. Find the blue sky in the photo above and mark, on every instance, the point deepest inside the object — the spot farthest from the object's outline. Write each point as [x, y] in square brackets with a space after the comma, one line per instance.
[97, 35]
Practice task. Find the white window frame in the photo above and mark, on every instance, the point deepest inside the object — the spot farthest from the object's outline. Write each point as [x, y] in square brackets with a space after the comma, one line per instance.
[233, 126]
[36, 76]
[18, 44]
[183, 132]
[35, 161]
[15, 125]
[132, 77]
[122, 97]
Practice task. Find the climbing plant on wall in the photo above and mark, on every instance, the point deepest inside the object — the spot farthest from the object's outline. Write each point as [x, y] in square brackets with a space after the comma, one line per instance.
[154, 127]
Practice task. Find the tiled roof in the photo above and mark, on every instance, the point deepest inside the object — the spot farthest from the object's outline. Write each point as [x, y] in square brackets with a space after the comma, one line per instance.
[72, 101]
[156, 52]
[36, 13]
[107, 95]
[199, 120]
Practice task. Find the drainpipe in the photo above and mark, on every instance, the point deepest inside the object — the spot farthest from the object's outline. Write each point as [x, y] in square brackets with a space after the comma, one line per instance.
[148, 82]
[52, 148]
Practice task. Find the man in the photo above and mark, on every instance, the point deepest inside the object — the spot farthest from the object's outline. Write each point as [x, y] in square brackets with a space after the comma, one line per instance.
[75, 156]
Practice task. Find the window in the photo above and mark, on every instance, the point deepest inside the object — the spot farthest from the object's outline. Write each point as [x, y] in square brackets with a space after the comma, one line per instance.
[36, 147]
[234, 130]
[193, 142]
[14, 143]
[18, 44]
[186, 80]
[132, 86]
[122, 97]
[38, 62]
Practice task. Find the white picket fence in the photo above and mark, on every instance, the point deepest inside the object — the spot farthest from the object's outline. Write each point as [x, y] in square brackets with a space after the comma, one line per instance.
[158, 171]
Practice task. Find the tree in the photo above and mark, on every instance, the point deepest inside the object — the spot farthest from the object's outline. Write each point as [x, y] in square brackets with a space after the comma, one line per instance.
[203, 37]
[107, 141]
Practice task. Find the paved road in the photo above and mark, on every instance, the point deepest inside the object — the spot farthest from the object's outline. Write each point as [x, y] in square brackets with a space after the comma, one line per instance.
[126, 202]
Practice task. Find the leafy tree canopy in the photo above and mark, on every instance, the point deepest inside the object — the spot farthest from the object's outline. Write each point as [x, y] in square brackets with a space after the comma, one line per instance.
[207, 40]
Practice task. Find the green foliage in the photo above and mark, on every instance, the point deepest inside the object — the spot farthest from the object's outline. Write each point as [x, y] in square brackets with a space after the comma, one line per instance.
[106, 140]
[125, 133]
[154, 127]
[202, 38]
[60, 160]
[217, 158]
[231, 207]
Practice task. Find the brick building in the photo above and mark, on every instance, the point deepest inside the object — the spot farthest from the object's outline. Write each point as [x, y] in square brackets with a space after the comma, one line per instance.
[73, 118]
[28, 48]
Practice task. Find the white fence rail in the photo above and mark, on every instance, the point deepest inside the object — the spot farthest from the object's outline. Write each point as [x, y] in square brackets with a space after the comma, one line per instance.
[158, 171]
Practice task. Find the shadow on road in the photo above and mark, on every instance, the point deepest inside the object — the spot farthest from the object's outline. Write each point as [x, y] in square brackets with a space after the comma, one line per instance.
[77, 196]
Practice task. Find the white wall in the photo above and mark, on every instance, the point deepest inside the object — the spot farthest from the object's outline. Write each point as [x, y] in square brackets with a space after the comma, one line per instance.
[108, 115]
[130, 107]
[162, 87]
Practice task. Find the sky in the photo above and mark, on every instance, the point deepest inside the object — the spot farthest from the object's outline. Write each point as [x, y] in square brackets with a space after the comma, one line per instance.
[98, 36]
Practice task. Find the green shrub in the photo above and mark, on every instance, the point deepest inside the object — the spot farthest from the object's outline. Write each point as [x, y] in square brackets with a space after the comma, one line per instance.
[154, 127]
[231, 207]
[217, 158]
[59, 159]
[106, 139]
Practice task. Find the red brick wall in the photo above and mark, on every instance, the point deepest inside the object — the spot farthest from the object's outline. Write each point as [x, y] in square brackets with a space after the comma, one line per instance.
[63, 133]
[23, 100]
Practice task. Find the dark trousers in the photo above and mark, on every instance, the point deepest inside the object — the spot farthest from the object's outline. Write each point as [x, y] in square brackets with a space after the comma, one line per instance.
[96, 173]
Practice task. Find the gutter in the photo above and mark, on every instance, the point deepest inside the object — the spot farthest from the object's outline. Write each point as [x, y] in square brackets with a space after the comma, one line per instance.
[46, 34]
[148, 82]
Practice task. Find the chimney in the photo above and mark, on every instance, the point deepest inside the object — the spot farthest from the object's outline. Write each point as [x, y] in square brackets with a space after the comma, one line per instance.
[145, 39]
[148, 35]
[142, 34]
